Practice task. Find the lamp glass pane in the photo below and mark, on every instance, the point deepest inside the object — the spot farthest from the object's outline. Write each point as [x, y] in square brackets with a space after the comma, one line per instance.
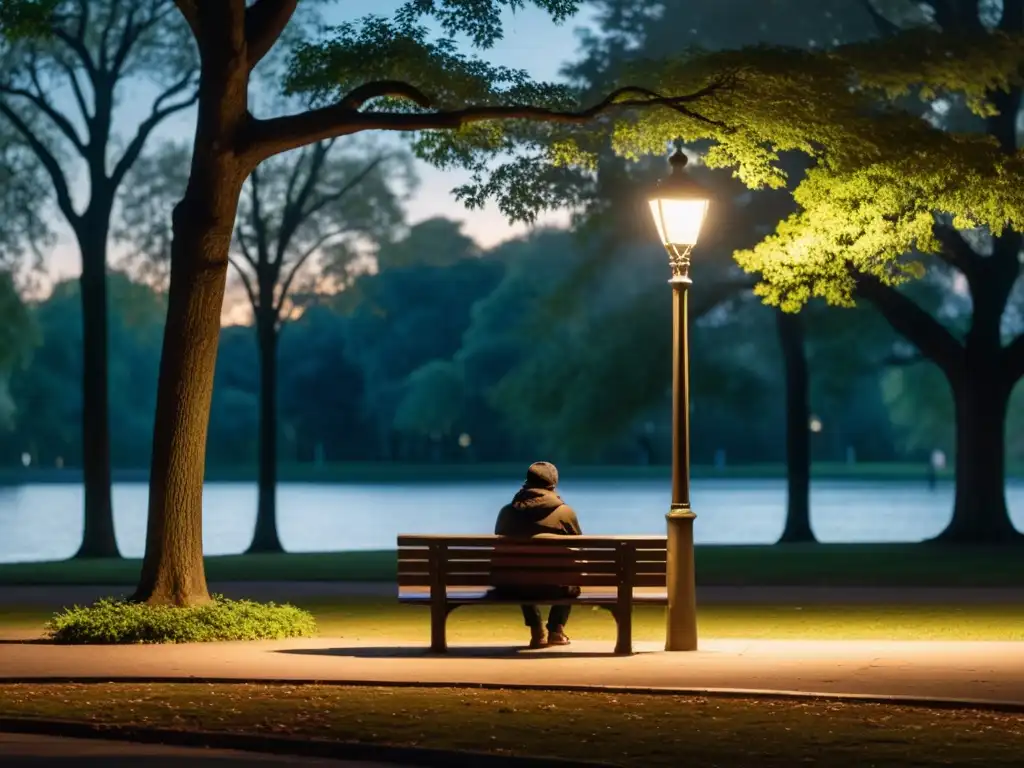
[679, 221]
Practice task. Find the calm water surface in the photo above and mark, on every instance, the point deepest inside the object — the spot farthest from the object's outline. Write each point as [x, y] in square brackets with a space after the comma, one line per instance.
[44, 522]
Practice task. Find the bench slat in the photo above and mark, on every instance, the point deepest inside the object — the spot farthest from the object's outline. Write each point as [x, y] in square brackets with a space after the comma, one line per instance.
[538, 578]
[475, 540]
[528, 566]
[526, 552]
[597, 597]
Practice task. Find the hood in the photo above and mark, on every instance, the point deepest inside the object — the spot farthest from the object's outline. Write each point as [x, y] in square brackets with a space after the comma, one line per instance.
[538, 500]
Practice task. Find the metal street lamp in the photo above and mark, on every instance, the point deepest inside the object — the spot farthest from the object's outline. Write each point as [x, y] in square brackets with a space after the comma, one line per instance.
[679, 206]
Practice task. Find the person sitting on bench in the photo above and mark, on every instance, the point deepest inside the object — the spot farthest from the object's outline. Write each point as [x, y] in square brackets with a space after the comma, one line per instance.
[536, 509]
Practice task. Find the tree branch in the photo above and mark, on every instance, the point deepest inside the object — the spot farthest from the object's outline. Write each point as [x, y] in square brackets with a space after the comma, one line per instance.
[292, 215]
[190, 10]
[259, 226]
[247, 283]
[43, 105]
[76, 87]
[264, 22]
[76, 44]
[297, 265]
[48, 161]
[113, 10]
[269, 137]
[128, 39]
[956, 251]
[913, 323]
[358, 96]
[886, 28]
[1013, 360]
[157, 115]
[339, 193]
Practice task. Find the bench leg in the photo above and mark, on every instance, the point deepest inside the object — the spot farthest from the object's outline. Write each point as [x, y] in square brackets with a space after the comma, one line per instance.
[438, 621]
[624, 629]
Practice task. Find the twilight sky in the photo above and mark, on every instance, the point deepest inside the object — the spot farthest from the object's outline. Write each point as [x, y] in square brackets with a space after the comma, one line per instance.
[532, 42]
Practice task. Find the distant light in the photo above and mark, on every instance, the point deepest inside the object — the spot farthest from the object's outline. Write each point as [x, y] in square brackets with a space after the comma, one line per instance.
[815, 424]
[59, 462]
[26, 459]
[465, 440]
[938, 459]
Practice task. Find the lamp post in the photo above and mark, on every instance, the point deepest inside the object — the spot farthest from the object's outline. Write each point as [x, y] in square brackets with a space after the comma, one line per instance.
[679, 205]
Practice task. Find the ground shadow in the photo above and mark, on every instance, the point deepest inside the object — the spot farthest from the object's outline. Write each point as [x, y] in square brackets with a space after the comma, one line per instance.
[407, 652]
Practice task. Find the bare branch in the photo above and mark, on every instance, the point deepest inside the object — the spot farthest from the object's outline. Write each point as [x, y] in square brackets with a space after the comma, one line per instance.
[913, 323]
[259, 226]
[246, 253]
[48, 161]
[157, 115]
[129, 36]
[269, 137]
[264, 22]
[76, 87]
[113, 10]
[297, 265]
[292, 216]
[76, 43]
[345, 188]
[293, 177]
[247, 283]
[43, 105]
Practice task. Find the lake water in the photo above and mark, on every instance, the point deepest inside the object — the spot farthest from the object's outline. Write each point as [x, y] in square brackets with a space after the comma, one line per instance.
[44, 522]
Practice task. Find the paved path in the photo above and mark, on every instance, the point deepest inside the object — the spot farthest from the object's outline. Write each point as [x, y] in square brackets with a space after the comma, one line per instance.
[991, 671]
[56, 596]
[30, 750]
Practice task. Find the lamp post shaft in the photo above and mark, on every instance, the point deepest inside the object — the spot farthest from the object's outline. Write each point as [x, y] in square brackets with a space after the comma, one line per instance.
[681, 626]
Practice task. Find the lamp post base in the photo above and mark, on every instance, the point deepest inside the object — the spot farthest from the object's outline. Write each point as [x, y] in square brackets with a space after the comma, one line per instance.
[681, 623]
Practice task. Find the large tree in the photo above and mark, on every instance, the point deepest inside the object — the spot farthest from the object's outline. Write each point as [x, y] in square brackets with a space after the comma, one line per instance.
[94, 51]
[377, 75]
[917, 199]
[323, 205]
[879, 196]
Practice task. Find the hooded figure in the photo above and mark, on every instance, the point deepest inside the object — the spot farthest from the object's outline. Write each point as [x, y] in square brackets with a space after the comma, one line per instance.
[536, 509]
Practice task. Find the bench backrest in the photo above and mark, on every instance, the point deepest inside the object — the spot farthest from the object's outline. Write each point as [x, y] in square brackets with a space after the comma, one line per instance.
[477, 561]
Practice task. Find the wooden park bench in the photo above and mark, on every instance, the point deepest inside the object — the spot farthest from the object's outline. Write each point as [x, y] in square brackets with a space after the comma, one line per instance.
[447, 572]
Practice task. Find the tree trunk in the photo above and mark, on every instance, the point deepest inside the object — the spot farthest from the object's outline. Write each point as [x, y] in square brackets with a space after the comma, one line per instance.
[98, 538]
[172, 570]
[265, 538]
[980, 516]
[790, 329]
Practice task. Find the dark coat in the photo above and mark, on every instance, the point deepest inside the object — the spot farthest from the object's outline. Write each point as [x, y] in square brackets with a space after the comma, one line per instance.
[535, 511]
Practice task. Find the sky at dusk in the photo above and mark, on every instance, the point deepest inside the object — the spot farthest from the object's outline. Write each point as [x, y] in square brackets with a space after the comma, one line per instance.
[532, 42]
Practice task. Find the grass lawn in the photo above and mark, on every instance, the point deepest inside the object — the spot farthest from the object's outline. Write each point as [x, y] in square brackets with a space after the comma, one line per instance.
[385, 621]
[626, 730]
[373, 619]
[882, 565]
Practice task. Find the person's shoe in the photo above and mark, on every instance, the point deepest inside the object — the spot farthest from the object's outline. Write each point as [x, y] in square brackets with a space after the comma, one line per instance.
[557, 636]
[538, 638]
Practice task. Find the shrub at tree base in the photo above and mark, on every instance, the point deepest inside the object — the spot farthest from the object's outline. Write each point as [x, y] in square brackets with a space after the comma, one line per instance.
[111, 621]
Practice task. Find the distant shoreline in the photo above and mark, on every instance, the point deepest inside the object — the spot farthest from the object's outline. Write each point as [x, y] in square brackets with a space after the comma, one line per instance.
[351, 473]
